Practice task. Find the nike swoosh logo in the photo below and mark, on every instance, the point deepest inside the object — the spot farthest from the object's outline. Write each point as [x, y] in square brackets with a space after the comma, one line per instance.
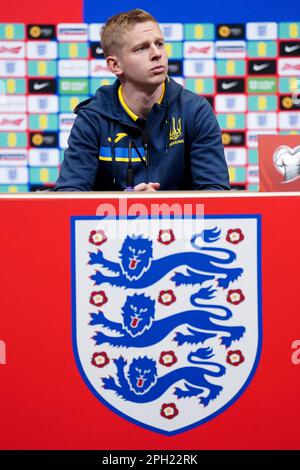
[40, 86]
[227, 86]
[291, 48]
[257, 67]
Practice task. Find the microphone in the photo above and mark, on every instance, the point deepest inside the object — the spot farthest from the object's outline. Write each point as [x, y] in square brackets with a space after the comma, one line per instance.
[145, 141]
[129, 176]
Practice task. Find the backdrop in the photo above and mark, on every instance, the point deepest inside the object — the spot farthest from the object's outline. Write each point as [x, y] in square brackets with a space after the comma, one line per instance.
[245, 60]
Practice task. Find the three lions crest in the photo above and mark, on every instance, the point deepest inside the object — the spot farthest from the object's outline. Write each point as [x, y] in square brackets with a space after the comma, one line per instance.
[167, 333]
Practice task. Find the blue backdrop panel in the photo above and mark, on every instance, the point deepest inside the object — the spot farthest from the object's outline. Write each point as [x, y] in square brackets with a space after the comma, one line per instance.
[215, 11]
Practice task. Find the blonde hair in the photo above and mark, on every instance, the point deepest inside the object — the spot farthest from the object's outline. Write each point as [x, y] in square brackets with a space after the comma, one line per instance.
[112, 32]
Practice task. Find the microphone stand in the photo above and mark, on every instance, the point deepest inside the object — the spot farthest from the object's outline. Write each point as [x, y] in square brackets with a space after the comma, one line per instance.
[129, 176]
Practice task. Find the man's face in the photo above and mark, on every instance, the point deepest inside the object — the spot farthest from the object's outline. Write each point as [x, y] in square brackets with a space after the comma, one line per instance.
[142, 58]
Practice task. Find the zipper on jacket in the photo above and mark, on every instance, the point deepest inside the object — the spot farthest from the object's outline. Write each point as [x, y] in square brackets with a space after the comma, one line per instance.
[167, 137]
[148, 171]
[113, 155]
[148, 127]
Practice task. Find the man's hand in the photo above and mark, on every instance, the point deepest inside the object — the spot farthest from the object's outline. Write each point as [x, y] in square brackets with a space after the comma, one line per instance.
[148, 188]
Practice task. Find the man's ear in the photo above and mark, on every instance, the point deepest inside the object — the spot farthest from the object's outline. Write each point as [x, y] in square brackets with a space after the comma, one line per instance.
[113, 65]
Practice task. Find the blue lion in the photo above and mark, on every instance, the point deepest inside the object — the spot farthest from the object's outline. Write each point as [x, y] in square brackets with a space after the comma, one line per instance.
[142, 385]
[137, 268]
[139, 329]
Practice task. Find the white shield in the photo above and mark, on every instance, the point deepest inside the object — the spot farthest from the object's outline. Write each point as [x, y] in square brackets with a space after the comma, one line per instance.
[167, 321]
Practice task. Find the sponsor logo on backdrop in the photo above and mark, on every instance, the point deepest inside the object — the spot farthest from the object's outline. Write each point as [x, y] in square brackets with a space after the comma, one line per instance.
[262, 67]
[96, 50]
[73, 68]
[43, 157]
[226, 85]
[199, 45]
[72, 32]
[94, 30]
[198, 50]
[262, 120]
[289, 48]
[167, 327]
[63, 139]
[73, 86]
[253, 174]
[66, 121]
[41, 31]
[262, 85]
[175, 67]
[13, 104]
[236, 85]
[38, 86]
[230, 31]
[43, 139]
[231, 49]
[41, 103]
[172, 31]
[13, 122]
[199, 68]
[230, 103]
[288, 120]
[287, 102]
[258, 31]
[10, 68]
[289, 67]
[12, 50]
[14, 157]
[41, 50]
[233, 139]
[14, 174]
[235, 156]
[98, 68]
[252, 136]
[286, 161]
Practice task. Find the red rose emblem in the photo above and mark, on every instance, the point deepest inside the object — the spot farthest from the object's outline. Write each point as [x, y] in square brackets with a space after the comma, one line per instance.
[167, 358]
[166, 236]
[235, 296]
[235, 358]
[169, 410]
[98, 298]
[166, 297]
[97, 237]
[235, 236]
[100, 359]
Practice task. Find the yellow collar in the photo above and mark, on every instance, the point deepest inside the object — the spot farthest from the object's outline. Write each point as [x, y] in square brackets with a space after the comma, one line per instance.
[128, 110]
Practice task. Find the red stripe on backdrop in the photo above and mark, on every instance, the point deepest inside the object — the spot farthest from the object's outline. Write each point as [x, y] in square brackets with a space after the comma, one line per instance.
[56, 11]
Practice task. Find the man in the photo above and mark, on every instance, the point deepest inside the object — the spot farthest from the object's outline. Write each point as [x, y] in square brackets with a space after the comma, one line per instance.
[144, 132]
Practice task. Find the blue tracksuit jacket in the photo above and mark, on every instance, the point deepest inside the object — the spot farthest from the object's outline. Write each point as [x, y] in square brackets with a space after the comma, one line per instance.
[182, 136]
